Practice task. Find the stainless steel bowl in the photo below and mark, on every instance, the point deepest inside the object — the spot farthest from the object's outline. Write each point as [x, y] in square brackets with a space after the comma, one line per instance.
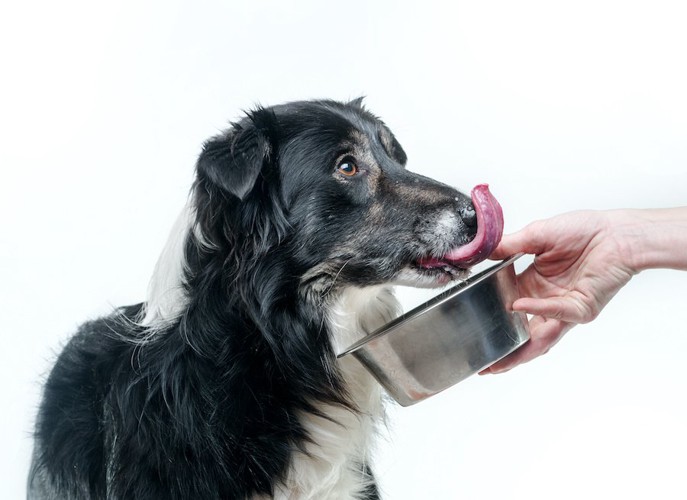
[445, 340]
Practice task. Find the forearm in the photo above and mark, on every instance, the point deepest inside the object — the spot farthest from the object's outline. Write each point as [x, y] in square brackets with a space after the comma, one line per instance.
[655, 238]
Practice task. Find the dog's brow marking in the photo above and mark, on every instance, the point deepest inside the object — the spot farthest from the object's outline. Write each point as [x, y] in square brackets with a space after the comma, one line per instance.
[360, 138]
[362, 150]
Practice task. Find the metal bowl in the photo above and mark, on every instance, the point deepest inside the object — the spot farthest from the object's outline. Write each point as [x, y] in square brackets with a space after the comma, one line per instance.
[445, 340]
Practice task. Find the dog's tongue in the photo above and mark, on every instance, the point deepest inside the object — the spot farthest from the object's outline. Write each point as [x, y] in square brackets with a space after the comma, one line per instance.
[489, 230]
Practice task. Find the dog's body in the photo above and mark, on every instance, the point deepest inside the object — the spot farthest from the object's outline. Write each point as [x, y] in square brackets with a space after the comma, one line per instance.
[225, 383]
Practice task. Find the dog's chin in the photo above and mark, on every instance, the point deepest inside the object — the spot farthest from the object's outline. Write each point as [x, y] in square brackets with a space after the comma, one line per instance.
[419, 277]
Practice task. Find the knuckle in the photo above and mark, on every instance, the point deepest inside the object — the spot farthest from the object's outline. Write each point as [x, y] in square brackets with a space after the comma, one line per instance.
[593, 311]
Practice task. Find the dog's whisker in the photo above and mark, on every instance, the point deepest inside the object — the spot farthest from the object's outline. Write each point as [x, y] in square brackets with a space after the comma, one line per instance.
[331, 286]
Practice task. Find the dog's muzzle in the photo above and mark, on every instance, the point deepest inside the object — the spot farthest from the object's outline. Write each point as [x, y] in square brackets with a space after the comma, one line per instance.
[487, 214]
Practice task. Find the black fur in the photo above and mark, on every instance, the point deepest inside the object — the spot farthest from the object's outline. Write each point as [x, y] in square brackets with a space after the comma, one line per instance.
[205, 406]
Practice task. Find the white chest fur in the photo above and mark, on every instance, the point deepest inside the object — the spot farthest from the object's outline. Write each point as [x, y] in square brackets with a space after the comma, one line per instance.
[331, 468]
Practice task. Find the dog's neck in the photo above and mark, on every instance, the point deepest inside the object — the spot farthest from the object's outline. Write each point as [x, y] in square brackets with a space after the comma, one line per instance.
[330, 465]
[329, 461]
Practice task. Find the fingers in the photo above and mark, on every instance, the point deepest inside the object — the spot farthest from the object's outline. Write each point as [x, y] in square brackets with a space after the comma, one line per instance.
[563, 308]
[527, 240]
[552, 318]
[510, 244]
[544, 333]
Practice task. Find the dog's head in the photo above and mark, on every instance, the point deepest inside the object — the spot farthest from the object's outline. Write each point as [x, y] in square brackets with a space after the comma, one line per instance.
[323, 186]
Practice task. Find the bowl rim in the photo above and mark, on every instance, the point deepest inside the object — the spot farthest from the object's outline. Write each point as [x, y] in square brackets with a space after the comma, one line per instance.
[444, 296]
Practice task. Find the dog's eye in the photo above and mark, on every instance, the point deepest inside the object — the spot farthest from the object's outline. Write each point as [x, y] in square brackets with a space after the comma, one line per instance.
[348, 168]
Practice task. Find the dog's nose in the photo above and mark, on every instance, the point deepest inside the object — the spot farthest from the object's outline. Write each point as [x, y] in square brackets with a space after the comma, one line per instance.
[469, 216]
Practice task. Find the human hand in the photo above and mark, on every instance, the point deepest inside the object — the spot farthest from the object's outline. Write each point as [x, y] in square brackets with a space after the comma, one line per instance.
[581, 261]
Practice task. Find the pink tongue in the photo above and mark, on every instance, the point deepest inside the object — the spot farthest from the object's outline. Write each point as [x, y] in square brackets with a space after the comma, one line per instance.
[489, 230]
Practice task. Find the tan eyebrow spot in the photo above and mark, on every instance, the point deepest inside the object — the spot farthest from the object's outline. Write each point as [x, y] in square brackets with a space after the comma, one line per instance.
[360, 148]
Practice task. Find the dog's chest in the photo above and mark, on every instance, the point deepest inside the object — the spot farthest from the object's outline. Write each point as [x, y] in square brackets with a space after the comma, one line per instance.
[342, 443]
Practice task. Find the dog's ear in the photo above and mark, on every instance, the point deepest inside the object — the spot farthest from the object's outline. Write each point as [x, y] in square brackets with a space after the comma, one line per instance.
[233, 160]
[397, 151]
[357, 102]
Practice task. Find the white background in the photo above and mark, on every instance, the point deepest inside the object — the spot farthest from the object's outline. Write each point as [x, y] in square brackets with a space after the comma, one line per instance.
[558, 105]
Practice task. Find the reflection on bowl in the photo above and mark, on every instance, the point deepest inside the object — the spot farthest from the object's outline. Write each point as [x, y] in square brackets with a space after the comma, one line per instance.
[445, 340]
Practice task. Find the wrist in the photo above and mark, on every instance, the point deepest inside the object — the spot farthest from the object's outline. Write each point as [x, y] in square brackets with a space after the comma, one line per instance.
[653, 238]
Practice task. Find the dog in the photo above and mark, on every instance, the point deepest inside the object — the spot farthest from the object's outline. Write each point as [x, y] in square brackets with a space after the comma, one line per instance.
[224, 383]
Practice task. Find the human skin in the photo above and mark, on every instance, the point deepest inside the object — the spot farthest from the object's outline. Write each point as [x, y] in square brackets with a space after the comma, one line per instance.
[582, 259]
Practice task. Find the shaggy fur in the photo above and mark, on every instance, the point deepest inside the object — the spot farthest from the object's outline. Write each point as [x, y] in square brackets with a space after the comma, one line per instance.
[224, 384]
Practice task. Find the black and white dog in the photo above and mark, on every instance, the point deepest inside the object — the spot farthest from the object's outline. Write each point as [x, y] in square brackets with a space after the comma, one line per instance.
[225, 384]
